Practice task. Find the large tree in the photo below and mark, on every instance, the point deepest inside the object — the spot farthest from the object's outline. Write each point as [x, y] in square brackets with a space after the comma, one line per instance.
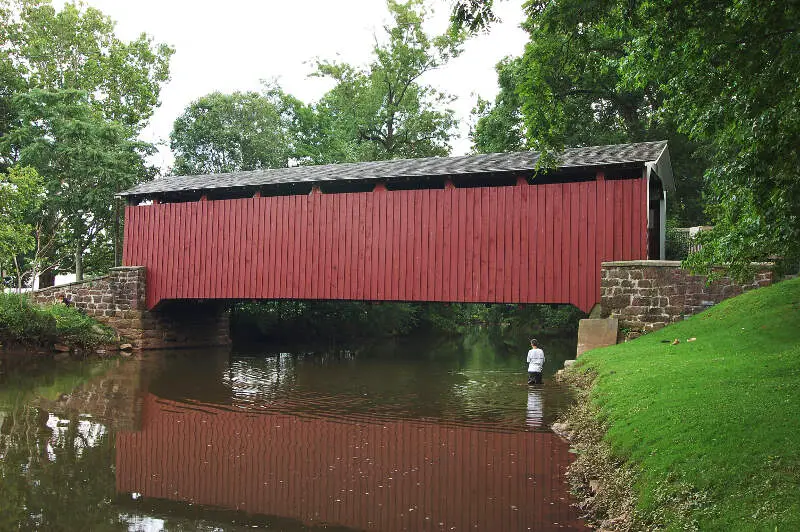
[21, 198]
[66, 70]
[383, 110]
[84, 160]
[719, 79]
[730, 75]
[240, 131]
[566, 90]
[76, 48]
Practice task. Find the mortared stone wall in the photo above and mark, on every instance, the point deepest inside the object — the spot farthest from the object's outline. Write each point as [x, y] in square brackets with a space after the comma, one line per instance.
[118, 300]
[647, 295]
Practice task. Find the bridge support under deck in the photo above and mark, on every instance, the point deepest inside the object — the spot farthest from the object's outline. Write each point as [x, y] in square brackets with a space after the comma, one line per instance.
[118, 300]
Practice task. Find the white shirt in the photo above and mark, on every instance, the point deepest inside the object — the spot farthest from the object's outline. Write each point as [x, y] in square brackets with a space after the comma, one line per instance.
[535, 360]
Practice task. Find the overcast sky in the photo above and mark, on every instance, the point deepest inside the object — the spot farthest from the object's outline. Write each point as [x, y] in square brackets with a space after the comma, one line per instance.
[233, 44]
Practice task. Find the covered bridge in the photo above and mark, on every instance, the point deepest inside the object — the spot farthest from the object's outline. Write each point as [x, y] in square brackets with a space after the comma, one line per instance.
[475, 228]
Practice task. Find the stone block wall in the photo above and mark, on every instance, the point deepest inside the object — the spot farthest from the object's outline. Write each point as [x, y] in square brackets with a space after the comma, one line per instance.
[118, 300]
[650, 294]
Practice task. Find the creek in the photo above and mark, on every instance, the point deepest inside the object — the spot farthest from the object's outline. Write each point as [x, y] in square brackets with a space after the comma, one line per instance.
[420, 433]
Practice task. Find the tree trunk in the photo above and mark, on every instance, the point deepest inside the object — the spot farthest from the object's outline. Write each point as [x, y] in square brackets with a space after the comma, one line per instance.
[78, 261]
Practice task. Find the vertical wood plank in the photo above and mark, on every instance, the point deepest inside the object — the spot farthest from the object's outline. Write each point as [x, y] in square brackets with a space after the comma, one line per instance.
[594, 264]
[473, 244]
[485, 245]
[600, 227]
[609, 212]
[619, 228]
[574, 261]
[466, 246]
[583, 263]
[541, 250]
[552, 225]
[260, 237]
[527, 266]
[505, 246]
[516, 239]
[398, 258]
[446, 273]
[561, 236]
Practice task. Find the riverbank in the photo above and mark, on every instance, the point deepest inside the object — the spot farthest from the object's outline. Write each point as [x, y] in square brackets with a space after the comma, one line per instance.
[702, 433]
[28, 327]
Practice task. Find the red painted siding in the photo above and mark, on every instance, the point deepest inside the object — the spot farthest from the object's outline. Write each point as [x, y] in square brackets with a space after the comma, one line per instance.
[364, 473]
[518, 244]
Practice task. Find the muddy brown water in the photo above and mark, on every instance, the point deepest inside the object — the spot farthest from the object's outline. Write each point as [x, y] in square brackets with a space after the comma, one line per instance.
[434, 433]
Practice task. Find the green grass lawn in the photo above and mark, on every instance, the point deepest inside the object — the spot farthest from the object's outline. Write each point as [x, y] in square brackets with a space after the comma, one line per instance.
[715, 422]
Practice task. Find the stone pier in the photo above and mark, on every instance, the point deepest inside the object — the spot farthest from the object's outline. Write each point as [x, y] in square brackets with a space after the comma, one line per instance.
[118, 300]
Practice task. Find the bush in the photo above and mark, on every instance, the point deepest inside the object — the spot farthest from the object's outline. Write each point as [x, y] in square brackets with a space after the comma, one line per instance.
[24, 322]
[77, 329]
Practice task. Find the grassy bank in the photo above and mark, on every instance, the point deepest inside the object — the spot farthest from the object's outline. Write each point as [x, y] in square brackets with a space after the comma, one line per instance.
[704, 434]
[23, 323]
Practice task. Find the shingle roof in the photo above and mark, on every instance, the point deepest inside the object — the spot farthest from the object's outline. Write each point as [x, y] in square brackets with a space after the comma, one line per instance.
[592, 156]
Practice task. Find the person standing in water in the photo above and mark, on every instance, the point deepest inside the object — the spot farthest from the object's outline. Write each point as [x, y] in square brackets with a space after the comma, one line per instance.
[535, 363]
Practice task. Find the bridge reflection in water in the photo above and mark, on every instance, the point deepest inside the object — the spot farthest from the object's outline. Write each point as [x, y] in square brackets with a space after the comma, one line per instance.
[352, 471]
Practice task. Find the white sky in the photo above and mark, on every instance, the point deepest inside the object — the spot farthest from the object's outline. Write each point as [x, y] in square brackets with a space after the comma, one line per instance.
[232, 45]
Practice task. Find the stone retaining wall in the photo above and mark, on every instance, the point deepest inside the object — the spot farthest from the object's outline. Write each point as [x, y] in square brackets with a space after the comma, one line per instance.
[118, 300]
[648, 295]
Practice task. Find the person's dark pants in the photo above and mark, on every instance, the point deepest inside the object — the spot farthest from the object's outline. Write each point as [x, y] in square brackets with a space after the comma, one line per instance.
[534, 377]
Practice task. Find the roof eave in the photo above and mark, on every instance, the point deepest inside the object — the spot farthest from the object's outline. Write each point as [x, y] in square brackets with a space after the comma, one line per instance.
[662, 167]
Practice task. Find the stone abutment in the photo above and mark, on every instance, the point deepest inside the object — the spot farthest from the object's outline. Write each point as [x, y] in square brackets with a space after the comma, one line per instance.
[118, 300]
[648, 295]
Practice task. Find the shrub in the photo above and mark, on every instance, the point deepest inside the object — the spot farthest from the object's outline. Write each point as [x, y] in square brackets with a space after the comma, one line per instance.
[24, 322]
[77, 329]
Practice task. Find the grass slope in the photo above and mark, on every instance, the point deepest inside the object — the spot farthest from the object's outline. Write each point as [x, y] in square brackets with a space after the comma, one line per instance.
[715, 422]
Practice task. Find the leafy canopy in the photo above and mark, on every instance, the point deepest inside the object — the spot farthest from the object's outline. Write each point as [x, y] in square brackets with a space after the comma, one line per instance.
[73, 97]
[384, 111]
[228, 132]
[76, 48]
[719, 79]
[21, 197]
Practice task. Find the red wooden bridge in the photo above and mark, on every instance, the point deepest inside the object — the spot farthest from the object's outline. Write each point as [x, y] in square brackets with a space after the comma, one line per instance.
[481, 228]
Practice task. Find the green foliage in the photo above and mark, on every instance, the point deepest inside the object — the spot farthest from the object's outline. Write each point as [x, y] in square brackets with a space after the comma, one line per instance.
[711, 425]
[77, 329]
[73, 98]
[740, 64]
[499, 125]
[83, 158]
[240, 131]
[475, 15]
[718, 79]
[21, 197]
[75, 48]
[287, 320]
[23, 322]
[382, 111]
[567, 90]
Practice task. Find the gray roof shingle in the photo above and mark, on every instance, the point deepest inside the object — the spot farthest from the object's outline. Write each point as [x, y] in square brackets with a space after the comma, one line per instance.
[614, 154]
